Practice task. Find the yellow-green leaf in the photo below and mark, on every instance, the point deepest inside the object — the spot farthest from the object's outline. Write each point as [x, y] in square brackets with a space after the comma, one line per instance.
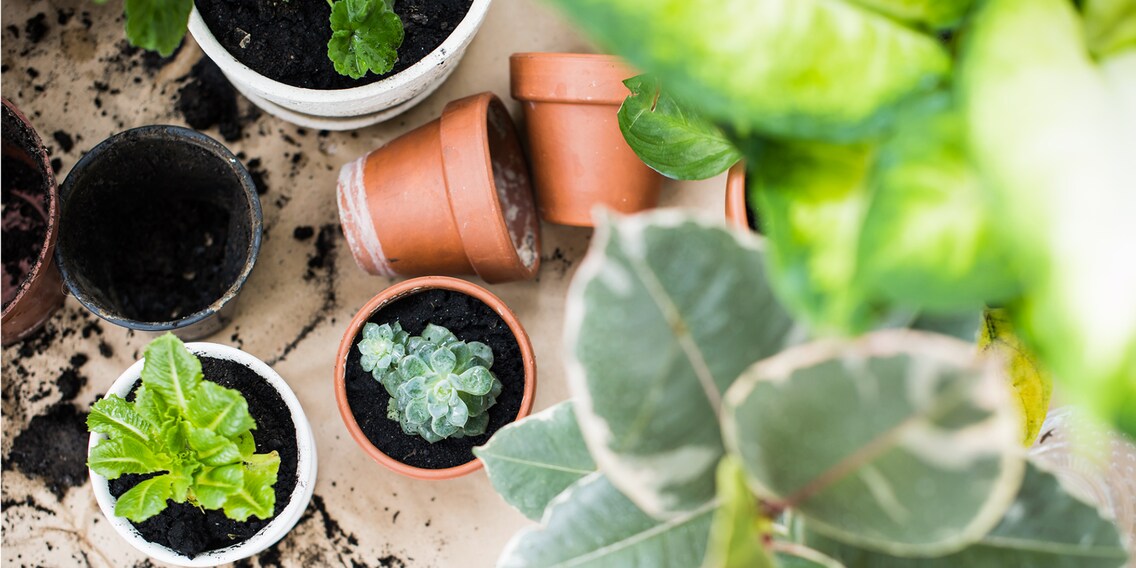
[1032, 383]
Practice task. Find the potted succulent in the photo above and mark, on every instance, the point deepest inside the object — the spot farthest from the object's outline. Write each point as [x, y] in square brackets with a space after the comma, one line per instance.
[579, 157]
[450, 197]
[428, 369]
[200, 454]
[32, 285]
[159, 228]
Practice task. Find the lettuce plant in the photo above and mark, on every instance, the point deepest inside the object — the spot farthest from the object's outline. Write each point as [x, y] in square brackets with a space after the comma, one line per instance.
[195, 434]
[440, 387]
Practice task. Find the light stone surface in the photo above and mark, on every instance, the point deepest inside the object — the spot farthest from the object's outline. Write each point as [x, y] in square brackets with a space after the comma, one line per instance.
[290, 319]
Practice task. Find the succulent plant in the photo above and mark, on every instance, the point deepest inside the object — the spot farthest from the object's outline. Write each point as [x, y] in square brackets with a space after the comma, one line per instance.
[440, 387]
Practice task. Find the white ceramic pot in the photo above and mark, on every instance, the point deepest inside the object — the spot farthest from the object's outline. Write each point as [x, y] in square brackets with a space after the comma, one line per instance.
[273, 531]
[345, 109]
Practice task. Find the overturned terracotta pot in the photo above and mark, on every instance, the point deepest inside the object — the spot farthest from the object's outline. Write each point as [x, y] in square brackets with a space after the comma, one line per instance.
[580, 159]
[33, 289]
[450, 197]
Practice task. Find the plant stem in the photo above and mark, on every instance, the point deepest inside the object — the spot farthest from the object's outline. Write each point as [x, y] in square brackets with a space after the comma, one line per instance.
[331, 3]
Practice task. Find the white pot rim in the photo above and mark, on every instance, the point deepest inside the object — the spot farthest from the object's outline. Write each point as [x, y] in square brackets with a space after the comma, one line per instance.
[453, 44]
[272, 532]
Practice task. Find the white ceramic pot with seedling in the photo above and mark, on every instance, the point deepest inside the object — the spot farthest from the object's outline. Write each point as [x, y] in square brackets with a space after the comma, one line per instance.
[195, 473]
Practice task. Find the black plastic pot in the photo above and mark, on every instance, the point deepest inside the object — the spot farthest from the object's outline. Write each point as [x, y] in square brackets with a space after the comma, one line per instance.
[159, 228]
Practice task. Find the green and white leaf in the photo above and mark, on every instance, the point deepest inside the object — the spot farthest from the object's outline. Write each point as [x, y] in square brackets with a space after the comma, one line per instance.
[859, 436]
[220, 409]
[144, 500]
[531, 461]
[664, 314]
[737, 533]
[113, 457]
[593, 525]
[670, 137]
[115, 417]
[793, 555]
[818, 69]
[171, 371]
[1054, 139]
[1045, 526]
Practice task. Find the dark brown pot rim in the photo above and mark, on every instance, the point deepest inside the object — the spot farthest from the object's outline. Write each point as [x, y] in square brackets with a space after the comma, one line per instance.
[47, 251]
[569, 78]
[395, 292]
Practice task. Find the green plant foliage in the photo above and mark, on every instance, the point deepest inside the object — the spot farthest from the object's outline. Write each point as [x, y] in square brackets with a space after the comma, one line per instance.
[157, 25]
[738, 532]
[818, 69]
[530, 475]
[592, 524]
[1110, 26]
[670, 138]
[440, 387]
[194, 432]
[1054, 138]
[933, 13]
[365, 36]
[894, 420]
[663, 316]
[1045, 526]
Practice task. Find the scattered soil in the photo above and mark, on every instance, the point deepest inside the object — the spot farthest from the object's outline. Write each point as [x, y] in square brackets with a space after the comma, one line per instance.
[208, 99]
[287, 41]
[185, 528]
[470, 320]
[303, 232]
[24, 198]
[53, 448]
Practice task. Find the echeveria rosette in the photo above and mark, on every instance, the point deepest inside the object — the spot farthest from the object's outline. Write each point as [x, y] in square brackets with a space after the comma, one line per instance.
[365, 36]
[443, 387]
[196, 434]
[381, 347]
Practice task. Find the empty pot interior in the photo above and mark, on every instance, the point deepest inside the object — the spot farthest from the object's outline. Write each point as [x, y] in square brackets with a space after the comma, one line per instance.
[156, 226]
[25, 204]
[514, 187]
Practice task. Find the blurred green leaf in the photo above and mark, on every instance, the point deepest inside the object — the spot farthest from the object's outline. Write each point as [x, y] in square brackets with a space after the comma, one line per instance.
[738, 530]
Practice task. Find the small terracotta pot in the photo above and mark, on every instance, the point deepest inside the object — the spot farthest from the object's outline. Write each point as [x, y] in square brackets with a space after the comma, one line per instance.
[400, 290]
[579, 156]
[736, 196]
[450, 197]
[38, 292]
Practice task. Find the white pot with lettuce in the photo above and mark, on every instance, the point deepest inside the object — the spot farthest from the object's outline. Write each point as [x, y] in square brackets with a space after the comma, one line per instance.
[199, 451]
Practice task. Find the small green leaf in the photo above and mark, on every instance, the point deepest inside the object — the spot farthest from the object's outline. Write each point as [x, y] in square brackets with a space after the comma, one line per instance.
[220, 409]
[476, 381]
[738, 530]
[214, 485]
[669, 137]
[181, 479]
[246, 444]
[481, 351]
[213, 449]
[115, 417]
[171, 371]
[113, 457]
[1032, 384]
[366, 35]
[157, 25]
[593, 525]
[144, 500]
[531, 461]
[151, 406]
[256, 497]
[935, 13]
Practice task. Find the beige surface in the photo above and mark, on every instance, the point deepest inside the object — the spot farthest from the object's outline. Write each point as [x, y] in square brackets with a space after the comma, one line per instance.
[382, 519]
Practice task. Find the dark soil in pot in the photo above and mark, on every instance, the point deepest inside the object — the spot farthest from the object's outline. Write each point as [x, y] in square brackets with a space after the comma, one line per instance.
[470, 320]
[24, 188]
[287, 40]
[188, 530]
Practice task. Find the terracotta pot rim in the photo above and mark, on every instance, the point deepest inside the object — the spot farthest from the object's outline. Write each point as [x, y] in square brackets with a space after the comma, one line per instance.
[400, 290]
[47, 249]
[581, 78]
[736, 214]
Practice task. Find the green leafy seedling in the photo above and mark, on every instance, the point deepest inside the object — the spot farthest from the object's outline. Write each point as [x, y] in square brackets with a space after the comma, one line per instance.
[366, 35]
[195, 433]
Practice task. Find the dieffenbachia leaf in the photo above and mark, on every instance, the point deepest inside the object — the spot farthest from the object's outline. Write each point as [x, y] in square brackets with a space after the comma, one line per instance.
[738, 531]
[214, 485]
[793, 555]
[818, 69]
[365, 36]
[1045, 526]
[111, 458]
[670, 137]
[592, 524]
[1110, 26]
[859, 436]
[531, 461]
[1032, 384]
[157, 25]
[171, 371]
[144, 500]
[664, 314]
[1053, 132]
[114, 416]
[221, 410]
[256, 497]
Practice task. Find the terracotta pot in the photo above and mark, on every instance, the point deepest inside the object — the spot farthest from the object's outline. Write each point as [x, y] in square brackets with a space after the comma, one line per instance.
[450, 197]
[400, 290]
[158, 172]
[736, 214]
[580, 158]
[31, 296]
